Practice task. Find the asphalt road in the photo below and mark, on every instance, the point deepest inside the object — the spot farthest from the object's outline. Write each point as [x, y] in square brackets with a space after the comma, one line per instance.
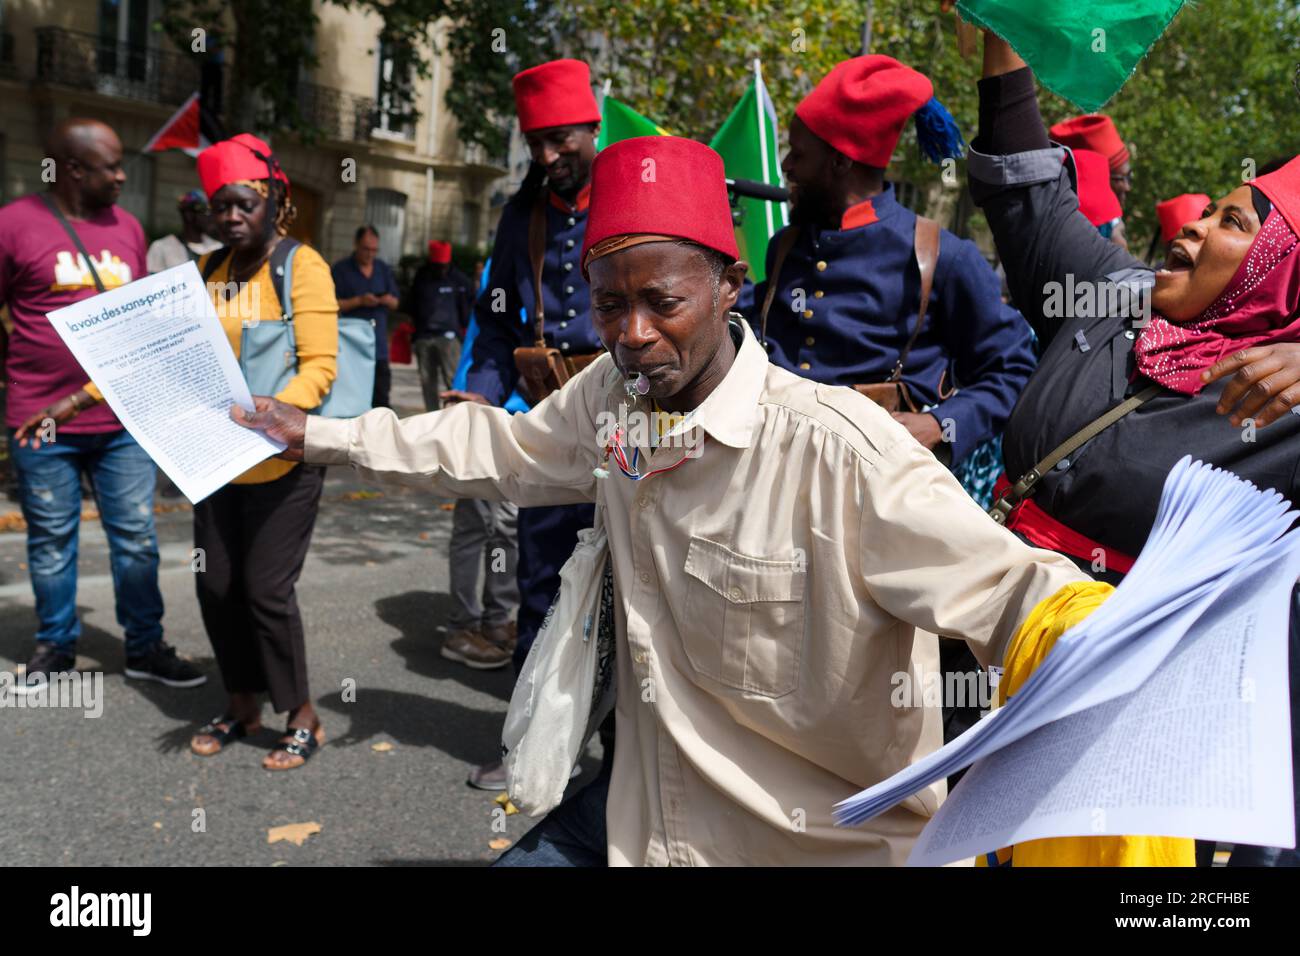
[124, 788]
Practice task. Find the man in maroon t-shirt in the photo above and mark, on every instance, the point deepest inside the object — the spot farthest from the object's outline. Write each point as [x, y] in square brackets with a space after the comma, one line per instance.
[58, 426]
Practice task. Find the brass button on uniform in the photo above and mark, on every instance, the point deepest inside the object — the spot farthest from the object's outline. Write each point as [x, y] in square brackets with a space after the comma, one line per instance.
[805, 366]
[807, 313]
[645, 577]
[643, 502]
[818, 294]
[821, 265]
[809, 341]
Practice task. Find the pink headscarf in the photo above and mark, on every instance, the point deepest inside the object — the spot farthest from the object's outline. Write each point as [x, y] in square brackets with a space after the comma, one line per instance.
[1259, 306]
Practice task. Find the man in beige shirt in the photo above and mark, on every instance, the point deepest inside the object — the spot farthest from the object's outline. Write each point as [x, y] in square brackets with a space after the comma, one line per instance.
[804, 550]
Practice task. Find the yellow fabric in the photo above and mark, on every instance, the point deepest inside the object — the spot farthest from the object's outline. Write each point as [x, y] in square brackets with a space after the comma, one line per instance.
[1051, 618]
[665, 421]
[315, 330]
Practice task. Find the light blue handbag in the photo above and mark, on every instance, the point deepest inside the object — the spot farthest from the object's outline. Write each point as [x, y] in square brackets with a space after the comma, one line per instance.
[268, 352]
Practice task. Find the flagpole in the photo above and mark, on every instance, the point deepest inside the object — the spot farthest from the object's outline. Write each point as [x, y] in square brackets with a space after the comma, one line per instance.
[762, 137]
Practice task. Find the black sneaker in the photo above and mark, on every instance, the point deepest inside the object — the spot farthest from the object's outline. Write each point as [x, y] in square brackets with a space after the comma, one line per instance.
[162, 664]
[47, 661]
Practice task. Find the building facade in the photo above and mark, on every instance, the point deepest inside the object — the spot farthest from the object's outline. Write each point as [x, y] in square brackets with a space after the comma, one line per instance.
[102, 58]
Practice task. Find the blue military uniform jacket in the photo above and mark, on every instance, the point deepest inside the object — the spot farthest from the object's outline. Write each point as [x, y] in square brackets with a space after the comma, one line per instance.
[505, 317]
[860, 293]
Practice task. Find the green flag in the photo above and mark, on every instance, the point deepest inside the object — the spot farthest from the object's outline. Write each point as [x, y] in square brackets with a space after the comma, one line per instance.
[748, 146]
[1083, 50]
[618, 121]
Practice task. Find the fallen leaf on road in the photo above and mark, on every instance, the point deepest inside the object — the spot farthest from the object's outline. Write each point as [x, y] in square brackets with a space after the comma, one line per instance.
[157, 825]
[447, 507]
[503, 800]
[383, 746]
[499, 844]
[296, 833]
[424, 536]
[363, 495]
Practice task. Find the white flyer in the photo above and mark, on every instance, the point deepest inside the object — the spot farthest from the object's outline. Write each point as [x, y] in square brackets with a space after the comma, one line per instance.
[156, 350]
[1165, 712]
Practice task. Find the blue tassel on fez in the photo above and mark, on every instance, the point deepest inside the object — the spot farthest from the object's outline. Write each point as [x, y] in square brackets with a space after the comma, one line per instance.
[937, 132]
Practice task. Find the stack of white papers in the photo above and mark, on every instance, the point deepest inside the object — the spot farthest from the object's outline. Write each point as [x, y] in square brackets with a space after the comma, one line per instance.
[1165, 712]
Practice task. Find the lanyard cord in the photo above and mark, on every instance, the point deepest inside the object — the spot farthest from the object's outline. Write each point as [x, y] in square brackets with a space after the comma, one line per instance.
[631, 469]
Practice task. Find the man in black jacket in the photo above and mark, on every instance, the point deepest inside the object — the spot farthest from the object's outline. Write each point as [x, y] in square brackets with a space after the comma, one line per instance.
[439, 302]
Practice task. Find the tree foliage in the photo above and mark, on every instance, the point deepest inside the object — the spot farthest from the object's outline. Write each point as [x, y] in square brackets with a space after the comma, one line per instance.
[1216, 90]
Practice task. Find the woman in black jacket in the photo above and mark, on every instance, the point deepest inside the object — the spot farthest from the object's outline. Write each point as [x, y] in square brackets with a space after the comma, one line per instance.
[1216, 330]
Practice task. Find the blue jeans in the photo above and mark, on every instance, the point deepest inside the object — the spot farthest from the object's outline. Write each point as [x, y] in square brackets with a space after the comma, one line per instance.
[573, 834]
[49, 489]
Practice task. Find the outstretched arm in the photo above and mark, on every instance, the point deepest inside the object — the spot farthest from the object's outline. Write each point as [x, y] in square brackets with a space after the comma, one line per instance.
[544, 457]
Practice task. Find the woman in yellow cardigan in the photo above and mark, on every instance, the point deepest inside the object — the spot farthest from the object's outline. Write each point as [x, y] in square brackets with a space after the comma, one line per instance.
[255, 531]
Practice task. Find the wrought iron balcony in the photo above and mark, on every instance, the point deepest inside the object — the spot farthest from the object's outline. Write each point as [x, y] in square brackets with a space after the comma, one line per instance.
[334, 114]
[89, 62]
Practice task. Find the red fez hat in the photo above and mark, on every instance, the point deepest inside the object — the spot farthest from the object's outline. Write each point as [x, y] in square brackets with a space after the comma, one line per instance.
[557, 93]
[1097, 201]
[861, 105]
[240, 157]
[439, 251]
[661, 185]
[1095, 132]
[1282, 186]
[1175, 213]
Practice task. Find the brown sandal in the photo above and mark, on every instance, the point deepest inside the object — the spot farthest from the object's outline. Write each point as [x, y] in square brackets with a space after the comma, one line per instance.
[299, 743]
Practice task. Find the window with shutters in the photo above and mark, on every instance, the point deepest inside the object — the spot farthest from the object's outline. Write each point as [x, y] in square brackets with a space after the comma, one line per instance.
[386, 211]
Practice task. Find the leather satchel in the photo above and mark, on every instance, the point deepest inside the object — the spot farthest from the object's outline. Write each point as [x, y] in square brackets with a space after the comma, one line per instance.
[892, 394]
[543, 369]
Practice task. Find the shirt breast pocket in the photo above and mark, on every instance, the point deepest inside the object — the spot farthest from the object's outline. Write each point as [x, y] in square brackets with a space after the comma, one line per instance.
[744, 618]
